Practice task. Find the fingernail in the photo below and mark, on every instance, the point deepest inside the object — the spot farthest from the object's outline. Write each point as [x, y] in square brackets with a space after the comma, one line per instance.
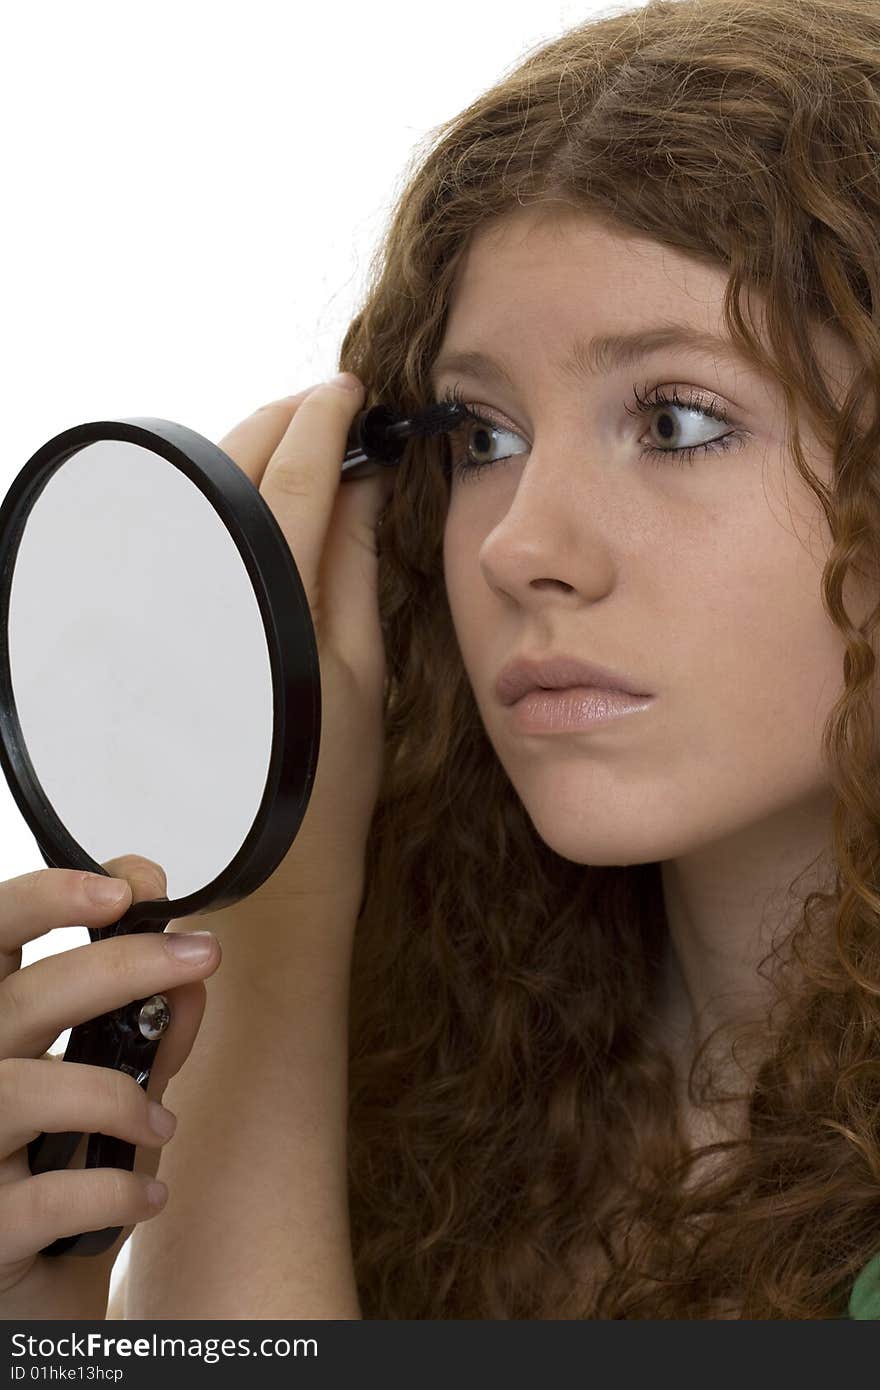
[104, 891]
[161, 1120]
[156, 1193]
[346, 380]
[191, 947]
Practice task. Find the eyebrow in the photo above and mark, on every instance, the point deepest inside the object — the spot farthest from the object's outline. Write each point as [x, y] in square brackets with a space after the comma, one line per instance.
[600, 355]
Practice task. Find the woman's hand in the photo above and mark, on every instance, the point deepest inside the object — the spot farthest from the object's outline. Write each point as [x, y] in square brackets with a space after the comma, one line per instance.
[292, 450]
[256, 1224]
[39, 1092]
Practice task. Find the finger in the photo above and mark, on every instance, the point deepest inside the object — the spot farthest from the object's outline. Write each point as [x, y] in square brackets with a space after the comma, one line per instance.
[146, 877]
[330, 528]
[39, 902]
[187, 1010]
[252, 442]
[302, 477]
[37, 1096]
[348, 580]
[36, 903]
[75, 986]
[302, 482]
[37, 1210]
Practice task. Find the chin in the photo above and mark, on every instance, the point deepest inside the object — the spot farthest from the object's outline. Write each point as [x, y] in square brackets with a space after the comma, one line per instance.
[591, 839]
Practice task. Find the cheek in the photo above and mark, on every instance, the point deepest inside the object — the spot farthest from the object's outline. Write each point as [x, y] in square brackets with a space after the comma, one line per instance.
[466, 588]
[752, 676]
[747, 672]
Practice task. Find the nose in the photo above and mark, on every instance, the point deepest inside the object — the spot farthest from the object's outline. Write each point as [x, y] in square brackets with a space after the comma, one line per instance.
[549, 538]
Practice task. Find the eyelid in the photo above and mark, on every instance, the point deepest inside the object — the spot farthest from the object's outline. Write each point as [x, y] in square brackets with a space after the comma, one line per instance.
[496, 417]
[705, 400]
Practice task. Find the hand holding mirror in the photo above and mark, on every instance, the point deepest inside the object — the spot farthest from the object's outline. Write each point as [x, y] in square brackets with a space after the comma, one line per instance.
[159, 687]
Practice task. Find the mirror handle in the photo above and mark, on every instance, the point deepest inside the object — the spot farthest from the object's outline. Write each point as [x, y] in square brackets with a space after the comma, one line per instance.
[126, 1038]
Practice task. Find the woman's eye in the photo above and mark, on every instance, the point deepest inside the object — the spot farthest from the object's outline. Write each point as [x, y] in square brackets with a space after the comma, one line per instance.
[476, 441]
[479, 442]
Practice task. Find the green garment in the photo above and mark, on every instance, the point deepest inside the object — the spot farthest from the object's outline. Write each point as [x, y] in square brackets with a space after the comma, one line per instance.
[864, 1301]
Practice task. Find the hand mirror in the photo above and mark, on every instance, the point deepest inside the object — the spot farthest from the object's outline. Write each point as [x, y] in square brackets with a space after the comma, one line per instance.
[159, 689]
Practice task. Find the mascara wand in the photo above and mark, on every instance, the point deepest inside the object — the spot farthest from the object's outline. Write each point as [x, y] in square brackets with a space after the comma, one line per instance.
[378, 437]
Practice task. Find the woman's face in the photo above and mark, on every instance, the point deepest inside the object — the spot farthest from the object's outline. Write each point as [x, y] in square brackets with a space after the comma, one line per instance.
[701, 580]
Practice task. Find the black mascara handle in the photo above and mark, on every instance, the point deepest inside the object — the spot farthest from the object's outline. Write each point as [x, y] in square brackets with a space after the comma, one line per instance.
[369, 447]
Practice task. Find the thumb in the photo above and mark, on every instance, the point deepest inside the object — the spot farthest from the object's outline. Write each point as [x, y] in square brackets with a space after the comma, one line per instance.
[349, 574]
[187, 1007]
[147, 878]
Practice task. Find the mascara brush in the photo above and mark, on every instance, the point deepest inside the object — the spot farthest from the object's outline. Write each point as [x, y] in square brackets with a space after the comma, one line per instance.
[378, 437]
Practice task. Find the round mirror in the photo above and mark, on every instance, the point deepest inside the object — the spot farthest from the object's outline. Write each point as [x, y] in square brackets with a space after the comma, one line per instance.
[159, 681]
[139, 665]
[159, 695]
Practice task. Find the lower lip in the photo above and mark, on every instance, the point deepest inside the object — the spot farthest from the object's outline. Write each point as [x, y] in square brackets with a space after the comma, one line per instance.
[577, 707]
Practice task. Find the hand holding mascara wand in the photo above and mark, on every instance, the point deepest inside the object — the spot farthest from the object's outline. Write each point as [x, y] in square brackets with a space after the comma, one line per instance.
[378, 437]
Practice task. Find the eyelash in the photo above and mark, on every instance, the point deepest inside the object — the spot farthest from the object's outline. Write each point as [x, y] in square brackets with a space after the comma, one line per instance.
[644, 405]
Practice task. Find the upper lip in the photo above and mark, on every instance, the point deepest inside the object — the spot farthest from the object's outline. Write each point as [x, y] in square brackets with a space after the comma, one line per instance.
[557, 672]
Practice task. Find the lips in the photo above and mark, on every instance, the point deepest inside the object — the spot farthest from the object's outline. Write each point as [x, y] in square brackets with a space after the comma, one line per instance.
[558, 673]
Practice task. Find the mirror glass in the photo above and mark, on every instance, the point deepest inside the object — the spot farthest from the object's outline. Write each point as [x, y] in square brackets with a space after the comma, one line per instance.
[139, 665]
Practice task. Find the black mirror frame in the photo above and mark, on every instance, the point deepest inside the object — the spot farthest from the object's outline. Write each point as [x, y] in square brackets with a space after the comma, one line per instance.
[127, 1038]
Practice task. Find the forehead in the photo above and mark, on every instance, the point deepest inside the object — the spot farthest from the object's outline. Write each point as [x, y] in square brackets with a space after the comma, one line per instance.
[532, 286]
[578, 255]
[542, 279]
[568, 289]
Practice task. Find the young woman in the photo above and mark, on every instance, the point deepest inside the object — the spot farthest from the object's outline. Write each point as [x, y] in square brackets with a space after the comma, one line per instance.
[563, 1006]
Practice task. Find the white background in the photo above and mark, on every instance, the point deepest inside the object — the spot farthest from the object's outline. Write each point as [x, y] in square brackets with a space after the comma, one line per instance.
[191, 195]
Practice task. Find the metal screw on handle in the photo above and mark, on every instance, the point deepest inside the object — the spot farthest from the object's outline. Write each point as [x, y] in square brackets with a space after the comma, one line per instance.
[153, 1017]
